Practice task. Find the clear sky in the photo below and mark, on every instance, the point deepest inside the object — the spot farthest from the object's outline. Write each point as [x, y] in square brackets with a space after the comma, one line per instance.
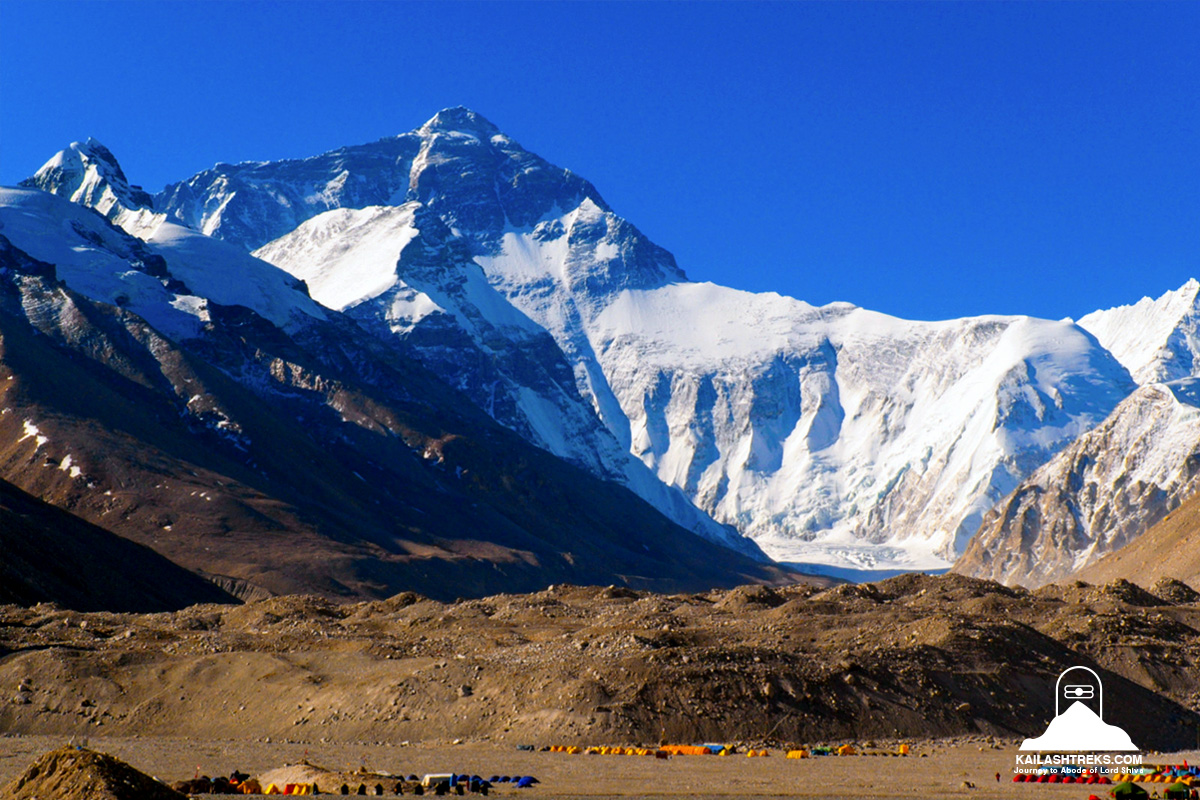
[926, 160]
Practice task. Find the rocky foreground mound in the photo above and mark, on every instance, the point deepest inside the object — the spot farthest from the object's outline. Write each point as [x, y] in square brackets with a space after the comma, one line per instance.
[70, 773]
[912, 657]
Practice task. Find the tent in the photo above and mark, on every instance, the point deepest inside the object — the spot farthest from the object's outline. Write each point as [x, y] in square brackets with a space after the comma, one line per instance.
[1177, 791]
[847, 750]
[1129, 791]
[685, 750]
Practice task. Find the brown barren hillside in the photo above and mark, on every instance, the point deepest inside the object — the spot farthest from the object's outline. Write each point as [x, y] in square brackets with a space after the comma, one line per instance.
[911, 657]
[51, 556]
[1170, 549]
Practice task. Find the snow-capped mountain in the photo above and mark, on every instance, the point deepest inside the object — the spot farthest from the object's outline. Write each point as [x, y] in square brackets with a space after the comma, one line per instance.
[202, 267]
[401, 272]
[1121, 478]
[276, 445]
[830, 435]
[87, 173]
[1101, 492]
[841, 433]
[1156, 340]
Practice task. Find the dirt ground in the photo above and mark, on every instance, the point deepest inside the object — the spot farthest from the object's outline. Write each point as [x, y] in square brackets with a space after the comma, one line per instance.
[941, 773]
[964, 669]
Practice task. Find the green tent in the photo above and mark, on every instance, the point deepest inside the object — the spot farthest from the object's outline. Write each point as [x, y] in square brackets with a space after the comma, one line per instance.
[1128, 791]
[1177, 791]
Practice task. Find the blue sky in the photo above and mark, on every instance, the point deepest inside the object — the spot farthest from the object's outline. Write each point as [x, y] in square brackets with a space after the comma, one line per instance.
[927, 160]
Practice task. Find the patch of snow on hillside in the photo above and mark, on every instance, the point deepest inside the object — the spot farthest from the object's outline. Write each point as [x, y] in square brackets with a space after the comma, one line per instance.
[66, 466]
[32, 432]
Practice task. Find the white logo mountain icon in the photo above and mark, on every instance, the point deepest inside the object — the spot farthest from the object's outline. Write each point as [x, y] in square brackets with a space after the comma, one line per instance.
[1078, 728]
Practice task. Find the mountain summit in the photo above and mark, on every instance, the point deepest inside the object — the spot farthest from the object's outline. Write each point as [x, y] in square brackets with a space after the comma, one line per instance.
[1120, 478]
[88, 173]
[458, 120]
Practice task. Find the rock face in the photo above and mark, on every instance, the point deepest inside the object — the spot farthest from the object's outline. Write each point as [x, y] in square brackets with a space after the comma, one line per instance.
[181, 393]
[1164, 556]
[1098, 494]
[1123, 477]
[830, 435]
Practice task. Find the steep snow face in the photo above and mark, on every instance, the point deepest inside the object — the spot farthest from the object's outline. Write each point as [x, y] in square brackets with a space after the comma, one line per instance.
[346, 256]
[1098, 494]
[99, 261]
[840, 436]
[1156, 340]
[404, 274]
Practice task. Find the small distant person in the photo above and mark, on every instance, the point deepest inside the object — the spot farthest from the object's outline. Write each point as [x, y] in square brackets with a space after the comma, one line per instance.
[997, 777]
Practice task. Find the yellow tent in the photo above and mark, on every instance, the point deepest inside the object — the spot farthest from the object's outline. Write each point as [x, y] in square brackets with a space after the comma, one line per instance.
[797, 753]
[847, 750]
[272, 789]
